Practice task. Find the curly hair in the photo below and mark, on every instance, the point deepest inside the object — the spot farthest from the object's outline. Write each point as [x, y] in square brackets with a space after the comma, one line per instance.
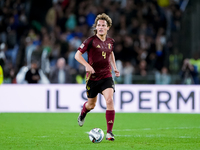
[102, 16]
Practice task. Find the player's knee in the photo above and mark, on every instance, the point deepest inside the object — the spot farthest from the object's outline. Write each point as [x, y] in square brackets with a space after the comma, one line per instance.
[109, 101]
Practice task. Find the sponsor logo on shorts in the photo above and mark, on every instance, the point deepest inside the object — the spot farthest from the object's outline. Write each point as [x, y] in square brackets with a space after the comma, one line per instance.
[88, 88]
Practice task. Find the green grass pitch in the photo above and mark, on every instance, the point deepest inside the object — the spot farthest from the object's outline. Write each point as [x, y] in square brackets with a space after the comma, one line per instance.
[138, 131]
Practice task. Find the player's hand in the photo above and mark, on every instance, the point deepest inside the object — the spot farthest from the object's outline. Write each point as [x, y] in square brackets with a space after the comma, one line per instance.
[90, 70]
[117, 73]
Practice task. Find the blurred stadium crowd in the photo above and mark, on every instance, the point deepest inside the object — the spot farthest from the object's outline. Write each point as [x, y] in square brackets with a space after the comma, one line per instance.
[143, 32]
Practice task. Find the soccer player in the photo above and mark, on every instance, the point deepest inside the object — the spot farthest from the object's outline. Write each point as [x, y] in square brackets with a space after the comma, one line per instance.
[99, 71]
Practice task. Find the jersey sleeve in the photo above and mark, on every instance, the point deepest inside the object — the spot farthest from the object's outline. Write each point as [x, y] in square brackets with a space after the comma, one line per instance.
[84, 46]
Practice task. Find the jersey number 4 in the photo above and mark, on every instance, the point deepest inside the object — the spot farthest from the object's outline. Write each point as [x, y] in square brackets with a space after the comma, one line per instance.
[104, 54]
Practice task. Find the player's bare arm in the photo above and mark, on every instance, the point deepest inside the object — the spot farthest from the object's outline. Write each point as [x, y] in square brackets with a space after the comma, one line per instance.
[80, 59]
[112, 60]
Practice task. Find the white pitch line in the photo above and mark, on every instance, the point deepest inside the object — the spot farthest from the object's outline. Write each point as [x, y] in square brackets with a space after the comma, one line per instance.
[167, 128]
[158, 135]
[42, 136]
[124, 135]
[33, 136]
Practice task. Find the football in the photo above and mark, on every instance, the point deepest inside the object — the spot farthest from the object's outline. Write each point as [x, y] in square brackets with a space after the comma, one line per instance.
[96, 135]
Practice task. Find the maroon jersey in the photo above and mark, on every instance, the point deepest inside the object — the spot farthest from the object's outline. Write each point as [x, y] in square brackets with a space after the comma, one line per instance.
[98, 56]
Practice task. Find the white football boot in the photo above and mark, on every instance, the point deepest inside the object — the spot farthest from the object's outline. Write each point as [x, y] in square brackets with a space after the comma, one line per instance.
[81, 120]
[110, 136]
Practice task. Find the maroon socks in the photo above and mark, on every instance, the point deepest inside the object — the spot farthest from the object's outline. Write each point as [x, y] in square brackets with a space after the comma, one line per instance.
[84, 110]
[110, 117]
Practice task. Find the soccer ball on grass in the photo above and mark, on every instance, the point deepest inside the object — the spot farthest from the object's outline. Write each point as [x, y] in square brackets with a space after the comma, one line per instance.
[96, 135]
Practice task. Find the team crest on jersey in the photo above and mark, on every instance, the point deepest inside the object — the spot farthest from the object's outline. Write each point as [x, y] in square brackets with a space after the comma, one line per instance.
[109, 46]
[82, 45]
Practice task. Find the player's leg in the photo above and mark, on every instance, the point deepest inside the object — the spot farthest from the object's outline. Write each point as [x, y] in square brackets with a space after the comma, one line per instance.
[92, 93]
[87, 106]
[110, 112]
